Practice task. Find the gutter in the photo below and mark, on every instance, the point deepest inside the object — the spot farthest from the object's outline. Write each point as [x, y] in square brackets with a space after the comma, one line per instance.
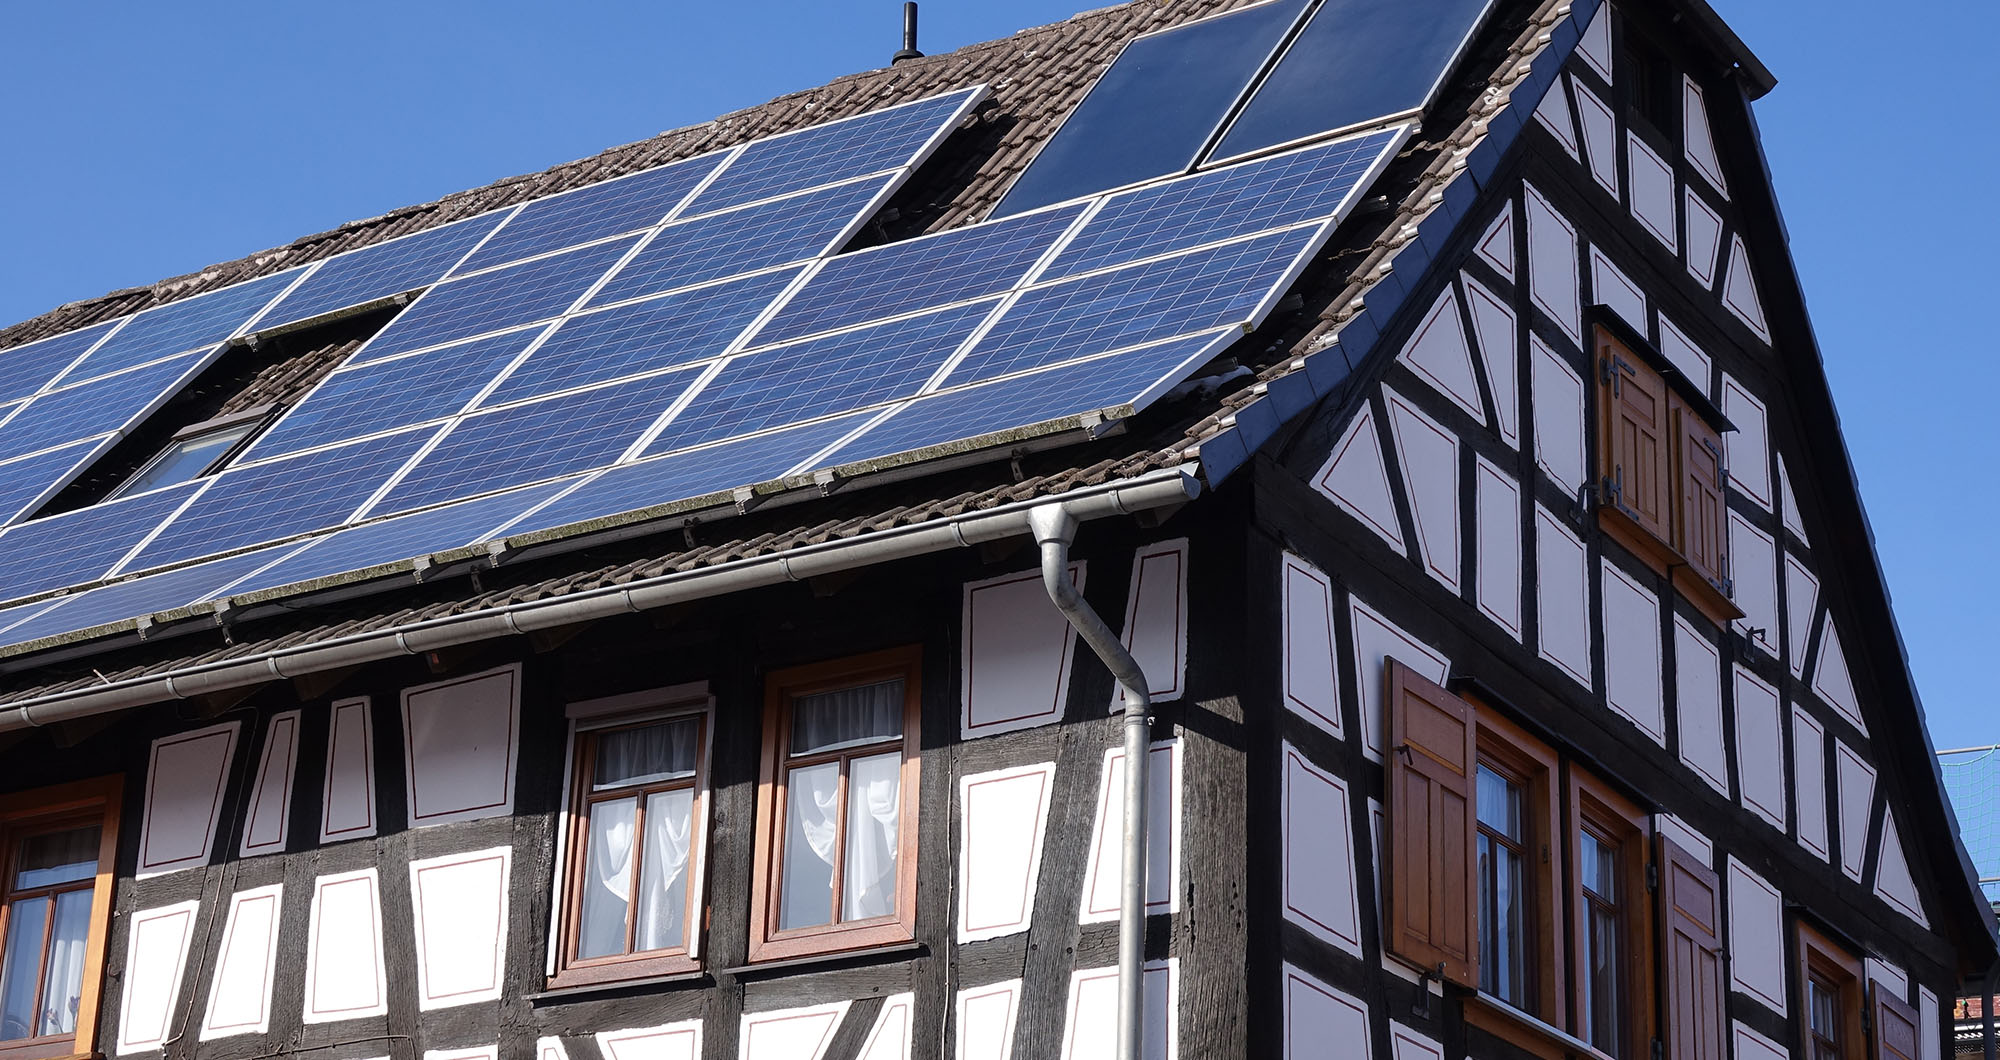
[1158, 489]
[1055, 524]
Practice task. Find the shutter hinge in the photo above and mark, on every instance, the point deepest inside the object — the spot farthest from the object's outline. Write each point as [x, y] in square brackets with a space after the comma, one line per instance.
[1659, 1049]
[1653, 887]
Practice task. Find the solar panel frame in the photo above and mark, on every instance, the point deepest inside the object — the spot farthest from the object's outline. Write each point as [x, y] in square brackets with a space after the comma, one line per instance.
[27, 490]
[139, 598]
[284, 313]
[67, 349]
[697, 171]
[83, 546]
[235, 310]
[143, 389]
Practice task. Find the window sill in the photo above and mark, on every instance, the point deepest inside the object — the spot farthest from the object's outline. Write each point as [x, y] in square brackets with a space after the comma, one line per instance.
[1661, 559]
[872, 955]
[588, 991]
[1498, 1018]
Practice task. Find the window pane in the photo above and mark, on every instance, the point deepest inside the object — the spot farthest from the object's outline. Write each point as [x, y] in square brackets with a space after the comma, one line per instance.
[847, 717]
[25, 924]
[57, 857]
[1503, 924]
[184, 460]
[1600, 985]
[62, 989]
[607, 879]
[874, 795]
[1499, 804]
[812, 817]
[1600, 867]
[663, 882]
[645, 754]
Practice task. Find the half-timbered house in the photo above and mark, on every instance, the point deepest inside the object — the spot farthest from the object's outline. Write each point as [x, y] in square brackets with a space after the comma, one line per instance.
[713, 599]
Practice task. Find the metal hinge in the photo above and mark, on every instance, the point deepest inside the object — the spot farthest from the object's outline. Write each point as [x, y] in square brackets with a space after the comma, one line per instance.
[1659, 1049]
[1652, 879]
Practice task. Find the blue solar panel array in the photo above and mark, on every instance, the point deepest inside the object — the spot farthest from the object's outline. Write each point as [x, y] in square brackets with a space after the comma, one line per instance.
[595, 211]
[24, 370]
[27, 482]
[177, 327]
[399, 266]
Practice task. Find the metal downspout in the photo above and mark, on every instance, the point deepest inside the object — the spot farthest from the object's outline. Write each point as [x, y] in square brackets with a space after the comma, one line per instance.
[1055, 527]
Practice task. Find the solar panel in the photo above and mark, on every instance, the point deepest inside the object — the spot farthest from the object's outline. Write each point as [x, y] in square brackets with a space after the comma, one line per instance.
[821, 376]
[140, 596]
[177, 327]
[27, 482]
[1355, 61]
[795, 228]
[879, 140]
[935, 270]
[384, 395]
[591, 212]
[1132, 379]
[538, 440]
[643, 336]
[279, 498]
[1220, 204]
[1155, 111]
[81, 546]
[1230, 284]
[26, 369]
[14, 616]
[398, 266]
[497, 300]
[102, 405]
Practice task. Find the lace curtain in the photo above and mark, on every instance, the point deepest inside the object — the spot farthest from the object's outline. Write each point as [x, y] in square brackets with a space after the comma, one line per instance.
[847, 717]
[645, 755]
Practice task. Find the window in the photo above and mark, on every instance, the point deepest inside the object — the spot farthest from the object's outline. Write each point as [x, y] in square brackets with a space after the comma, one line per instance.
[1660, 471]
[56, 852]
[1607, 876]
[1517, 901]
[195, 451]
[1652, 83]
[632, 890]
[1830, 981]
[837, 808]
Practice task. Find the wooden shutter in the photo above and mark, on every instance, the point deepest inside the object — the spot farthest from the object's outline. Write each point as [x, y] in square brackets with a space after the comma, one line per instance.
[1432, 900]
[1636, 445]
[1690, 926]
[1896, 1033]
[1701, 522]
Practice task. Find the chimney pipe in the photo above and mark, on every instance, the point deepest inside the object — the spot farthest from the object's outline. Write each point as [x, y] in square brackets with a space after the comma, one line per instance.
[909, 35]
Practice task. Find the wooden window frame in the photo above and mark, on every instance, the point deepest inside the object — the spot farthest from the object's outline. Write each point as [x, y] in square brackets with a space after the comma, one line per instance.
[1611, 816]
[767, 941]
[587, 721]
[95, 801]
[1819, 956]
[1502, 743]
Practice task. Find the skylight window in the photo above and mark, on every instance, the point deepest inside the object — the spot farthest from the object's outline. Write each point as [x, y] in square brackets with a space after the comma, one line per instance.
[196, 450]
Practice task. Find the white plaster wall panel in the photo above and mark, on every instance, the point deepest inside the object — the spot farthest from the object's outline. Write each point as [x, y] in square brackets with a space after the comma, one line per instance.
[1156, 618]
[1790, 503]
[1890, 976]
[1090, 1025]
[1320, 888]
[1809, 782]
[347, 802]
[1600, 137]
[1685, 836]
[1684, 354]
[1004, 818]
[1317, 1016]
[185, 780]
[478, 1052]
[1554, 114]
[1747, 448]
[239, 995]
[1496, 244]
[1440, 355]
[672, 1041]
[1377, 639]
[156, 951]
[1497, 498]
[1558, 412]
[548, 1048]
[1311, 662]
[268, 818]
[1562, 596]
[1927, 1016]
[1753, 565]
[1610, 286]
[1832, 681]
[1893, 882]
[1428, 454]
[1594, 48]
[459, 740]
[1493, 326]
[1652, 192]
[1017, 654]
[1552, 264]
[1632, 655]
[460, 906]
[1801, 603]
[1163, 835]
[1700, 140]
[1756, 937]
[1760, 748]
[1356, 479]
[1739, 290]
[985, 1021]
[1704, 238]
[1854, 793]
[1407, 1044]
[344, 972]
[889, 1038]
[790, 1034]
[1749, 1045]
[1698, 679]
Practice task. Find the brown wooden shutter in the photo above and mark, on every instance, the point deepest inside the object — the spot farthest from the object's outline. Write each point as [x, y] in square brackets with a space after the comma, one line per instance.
[1896, 1033]
[1636, 443]
[1701, 524]
[1432, 900]
[1690, 925]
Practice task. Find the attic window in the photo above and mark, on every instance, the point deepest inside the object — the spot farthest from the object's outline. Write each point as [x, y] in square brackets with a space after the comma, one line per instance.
[1654, 87]
[196, 450]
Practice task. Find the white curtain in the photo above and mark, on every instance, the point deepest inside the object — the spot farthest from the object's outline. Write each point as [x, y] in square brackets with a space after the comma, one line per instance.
[25, 923]
[64, 989]
[847, 716]
[874, 787]
[663, 882]
[645, 755]
[813, 806]
[608, 876]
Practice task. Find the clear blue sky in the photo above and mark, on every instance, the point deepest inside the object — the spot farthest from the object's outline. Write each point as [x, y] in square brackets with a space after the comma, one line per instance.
[143, 141]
